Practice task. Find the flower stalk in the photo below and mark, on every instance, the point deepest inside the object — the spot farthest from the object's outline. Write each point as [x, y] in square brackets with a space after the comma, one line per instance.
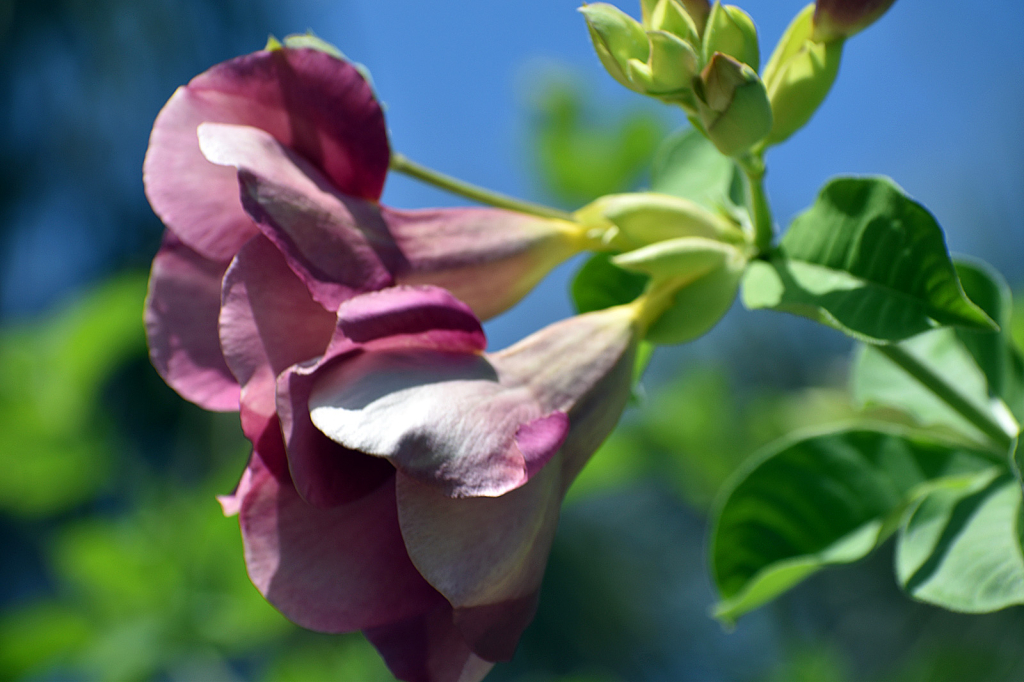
[404, 165]
[760, 210]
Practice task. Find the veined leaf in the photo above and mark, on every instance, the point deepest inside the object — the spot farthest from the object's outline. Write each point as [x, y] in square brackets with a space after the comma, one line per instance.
[960, 545]
[825, 499]
[996, 354]
[877, 380]
[983, 367]
[867, 260]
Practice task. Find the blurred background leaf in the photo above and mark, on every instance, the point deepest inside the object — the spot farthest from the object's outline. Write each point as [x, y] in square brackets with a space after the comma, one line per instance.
[582, 154]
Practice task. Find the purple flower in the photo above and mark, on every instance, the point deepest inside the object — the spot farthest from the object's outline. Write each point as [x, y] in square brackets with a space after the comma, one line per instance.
[402, 481]
[411, 485]
[289, 145]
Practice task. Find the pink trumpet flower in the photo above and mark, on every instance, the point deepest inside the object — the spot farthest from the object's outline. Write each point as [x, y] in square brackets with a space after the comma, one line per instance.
[290, 145]
[402, 482]
[411, 485]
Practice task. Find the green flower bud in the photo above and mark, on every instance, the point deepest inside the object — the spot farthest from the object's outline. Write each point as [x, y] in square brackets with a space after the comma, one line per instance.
[839, 19]
[639, 218]
[671, 17]
[733, 105]
[701, 277]
[799, 76]
[618, 38]
[731, 31]
[672, 65]
[696, 12]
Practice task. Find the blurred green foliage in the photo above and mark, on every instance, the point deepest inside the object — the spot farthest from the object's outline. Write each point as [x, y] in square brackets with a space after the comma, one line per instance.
[56, 445]
[581, 155]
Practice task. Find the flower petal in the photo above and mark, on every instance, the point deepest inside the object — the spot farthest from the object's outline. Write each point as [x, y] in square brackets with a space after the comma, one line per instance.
[267, 317]
[408, 316]
[313, 103]
[333, 570]
[326, 473]
[565, 362]
[485, 554]
[439, 416]
[338, 245]
[428, 648]
[487, 257]
[181, 326]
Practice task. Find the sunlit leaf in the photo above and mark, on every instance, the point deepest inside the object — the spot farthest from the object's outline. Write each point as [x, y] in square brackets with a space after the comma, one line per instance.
[867, 260]
[960, 545]
[820, 500]
[996, 354]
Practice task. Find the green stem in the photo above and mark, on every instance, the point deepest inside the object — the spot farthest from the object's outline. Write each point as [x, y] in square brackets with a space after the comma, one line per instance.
[484, 196]
[948, 394]
[761, 212]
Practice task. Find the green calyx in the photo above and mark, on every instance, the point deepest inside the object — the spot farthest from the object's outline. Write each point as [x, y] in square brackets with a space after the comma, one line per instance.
[693, 283]
[628, 221]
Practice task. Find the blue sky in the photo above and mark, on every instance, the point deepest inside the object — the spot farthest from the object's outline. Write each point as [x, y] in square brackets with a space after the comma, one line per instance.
[931, 95]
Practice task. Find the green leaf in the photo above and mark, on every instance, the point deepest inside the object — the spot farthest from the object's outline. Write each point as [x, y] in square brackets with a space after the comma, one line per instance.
[825, 499]
[867, 260]
[601, 284]
[877, 380]
[996, 354]
[688, 165]
[960, 545]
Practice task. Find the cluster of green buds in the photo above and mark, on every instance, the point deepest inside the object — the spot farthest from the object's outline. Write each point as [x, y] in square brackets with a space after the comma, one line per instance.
[701, 57]
[705, 58]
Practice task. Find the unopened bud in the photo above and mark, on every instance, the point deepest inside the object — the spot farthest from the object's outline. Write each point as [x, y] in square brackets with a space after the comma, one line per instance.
[672, 65]
[731, 31]
[698, 11]
[799, 76]
[618, 38]
[839, 19]
[733, 105]
[641, 218]
[671, 17]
